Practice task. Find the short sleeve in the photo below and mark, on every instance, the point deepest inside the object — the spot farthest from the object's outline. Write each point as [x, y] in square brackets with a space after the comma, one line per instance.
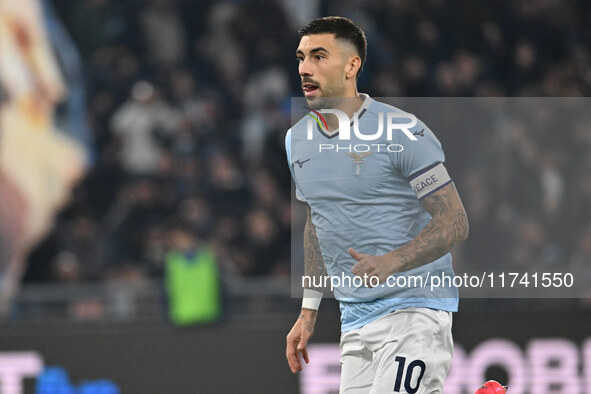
[417, 155]
[298, 193]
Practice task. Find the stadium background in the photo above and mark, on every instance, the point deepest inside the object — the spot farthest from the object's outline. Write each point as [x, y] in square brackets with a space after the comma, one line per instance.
[179, 110]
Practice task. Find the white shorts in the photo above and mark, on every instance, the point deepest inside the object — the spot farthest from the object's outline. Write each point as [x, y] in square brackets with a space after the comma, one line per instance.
[407, 351]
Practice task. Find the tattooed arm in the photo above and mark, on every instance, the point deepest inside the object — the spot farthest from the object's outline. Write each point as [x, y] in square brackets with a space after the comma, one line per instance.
[302, 330]
[447, 228]
[314, 262]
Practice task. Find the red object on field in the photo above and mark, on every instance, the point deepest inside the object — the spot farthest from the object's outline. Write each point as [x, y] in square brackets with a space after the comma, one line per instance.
[491, 387]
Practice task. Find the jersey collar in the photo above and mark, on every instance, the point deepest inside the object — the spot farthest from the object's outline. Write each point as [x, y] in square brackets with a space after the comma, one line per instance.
[359, 113]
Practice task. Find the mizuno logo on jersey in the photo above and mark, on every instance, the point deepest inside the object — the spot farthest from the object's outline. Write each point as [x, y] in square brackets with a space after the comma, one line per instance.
[301, 163]
[421, 133]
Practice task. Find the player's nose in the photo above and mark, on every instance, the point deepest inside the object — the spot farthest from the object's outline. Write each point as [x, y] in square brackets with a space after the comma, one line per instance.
[305, 68]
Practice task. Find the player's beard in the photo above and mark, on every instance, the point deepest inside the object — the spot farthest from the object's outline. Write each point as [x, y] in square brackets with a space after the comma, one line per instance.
[316, 103]
[330, 98]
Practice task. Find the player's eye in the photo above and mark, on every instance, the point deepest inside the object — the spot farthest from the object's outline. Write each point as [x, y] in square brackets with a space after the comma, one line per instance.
[318, 57]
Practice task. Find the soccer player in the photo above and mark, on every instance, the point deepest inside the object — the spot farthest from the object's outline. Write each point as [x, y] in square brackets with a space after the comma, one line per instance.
[380, 209]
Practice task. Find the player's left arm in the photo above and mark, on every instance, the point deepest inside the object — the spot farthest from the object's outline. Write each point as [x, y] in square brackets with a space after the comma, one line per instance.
[447, 228]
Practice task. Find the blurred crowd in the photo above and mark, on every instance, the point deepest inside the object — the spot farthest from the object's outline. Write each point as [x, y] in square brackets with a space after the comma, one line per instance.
[188, 103]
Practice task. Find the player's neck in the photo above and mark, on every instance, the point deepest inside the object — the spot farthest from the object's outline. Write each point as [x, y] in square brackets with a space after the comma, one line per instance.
[353, 103]
[349, 104]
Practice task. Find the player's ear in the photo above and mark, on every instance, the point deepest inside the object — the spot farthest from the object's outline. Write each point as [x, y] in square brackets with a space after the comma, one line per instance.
[353, 65]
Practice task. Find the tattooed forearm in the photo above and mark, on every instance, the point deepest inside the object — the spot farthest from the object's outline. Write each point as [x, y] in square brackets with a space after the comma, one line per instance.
[461, 226]
[447, 228]
[308, 324]
[314, 262]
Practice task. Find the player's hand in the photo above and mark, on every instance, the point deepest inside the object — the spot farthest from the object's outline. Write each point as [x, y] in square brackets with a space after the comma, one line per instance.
[297, 340]
[372, 269]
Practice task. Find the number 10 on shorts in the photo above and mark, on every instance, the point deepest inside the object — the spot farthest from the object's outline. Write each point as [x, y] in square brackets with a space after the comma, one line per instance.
[406, 373]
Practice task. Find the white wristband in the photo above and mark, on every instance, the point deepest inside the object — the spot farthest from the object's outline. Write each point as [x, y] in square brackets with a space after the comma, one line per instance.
[311, 299]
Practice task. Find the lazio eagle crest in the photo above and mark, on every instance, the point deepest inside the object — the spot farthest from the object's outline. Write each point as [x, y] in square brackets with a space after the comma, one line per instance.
[358, 166]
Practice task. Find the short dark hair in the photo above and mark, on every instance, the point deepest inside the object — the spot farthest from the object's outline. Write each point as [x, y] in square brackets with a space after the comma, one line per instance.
[343, 29]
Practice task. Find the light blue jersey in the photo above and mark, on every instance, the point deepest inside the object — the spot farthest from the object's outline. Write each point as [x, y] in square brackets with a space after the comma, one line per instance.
[359, 194]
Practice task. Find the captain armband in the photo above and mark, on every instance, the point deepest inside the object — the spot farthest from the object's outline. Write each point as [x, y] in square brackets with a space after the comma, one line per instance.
[430, 180]
[311, 299]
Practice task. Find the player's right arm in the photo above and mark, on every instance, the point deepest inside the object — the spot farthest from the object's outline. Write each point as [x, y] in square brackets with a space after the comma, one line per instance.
[302, 330]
